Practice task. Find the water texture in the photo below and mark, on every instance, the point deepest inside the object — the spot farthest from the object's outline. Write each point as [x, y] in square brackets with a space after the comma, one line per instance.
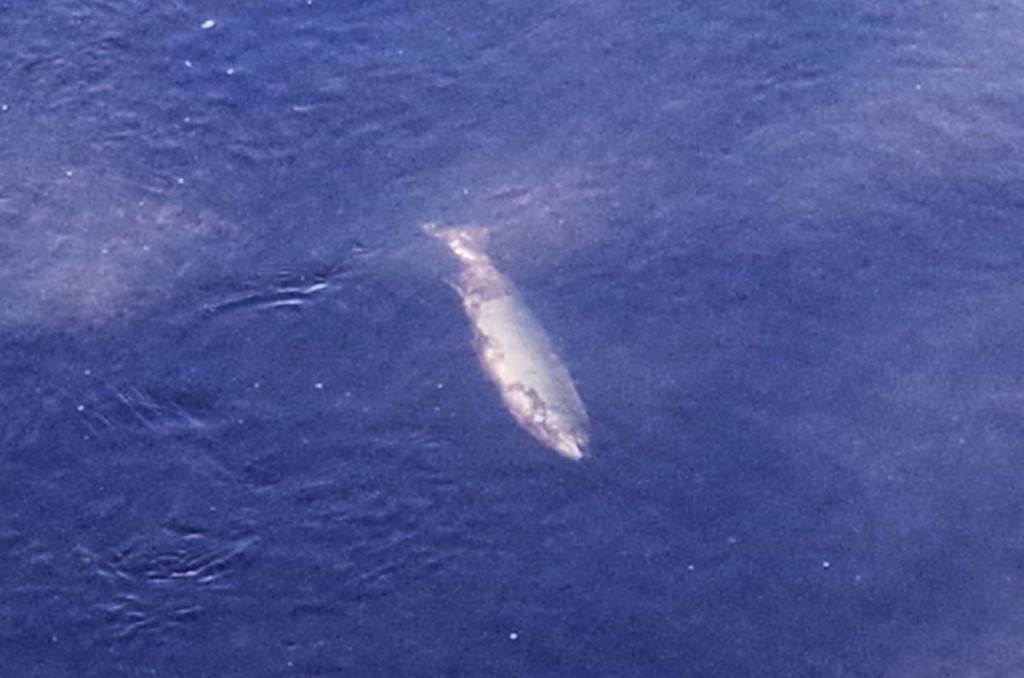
[778, 245]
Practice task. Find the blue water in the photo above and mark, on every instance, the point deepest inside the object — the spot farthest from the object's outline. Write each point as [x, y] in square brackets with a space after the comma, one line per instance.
[778, 244]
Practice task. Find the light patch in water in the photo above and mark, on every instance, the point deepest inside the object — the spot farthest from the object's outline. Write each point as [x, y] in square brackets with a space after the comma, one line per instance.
[83, 249]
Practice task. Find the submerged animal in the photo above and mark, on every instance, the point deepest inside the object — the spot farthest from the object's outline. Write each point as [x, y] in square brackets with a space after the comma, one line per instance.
[513, 348]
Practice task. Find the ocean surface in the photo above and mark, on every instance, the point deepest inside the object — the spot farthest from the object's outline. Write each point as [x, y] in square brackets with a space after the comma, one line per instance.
[778, 244]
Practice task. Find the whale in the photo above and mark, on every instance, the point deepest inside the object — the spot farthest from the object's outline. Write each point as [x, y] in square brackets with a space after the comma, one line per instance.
[513, 348]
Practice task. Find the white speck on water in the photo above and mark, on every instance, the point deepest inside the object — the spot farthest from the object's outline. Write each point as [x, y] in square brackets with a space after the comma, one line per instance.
[826, 564]
[514, 635]
[81, 408]
[5, 108]
[188, 64]
[440, 385]
[208, 24]
[181, 180]
[70, 173]
[319, 385]
[255, 384]
[690, 567]
[230, 71]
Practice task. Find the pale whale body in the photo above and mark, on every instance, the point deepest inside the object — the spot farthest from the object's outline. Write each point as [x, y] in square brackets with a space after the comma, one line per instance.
[514, 349]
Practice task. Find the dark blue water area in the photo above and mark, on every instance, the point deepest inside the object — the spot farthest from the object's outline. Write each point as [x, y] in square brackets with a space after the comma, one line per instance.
[777, 244]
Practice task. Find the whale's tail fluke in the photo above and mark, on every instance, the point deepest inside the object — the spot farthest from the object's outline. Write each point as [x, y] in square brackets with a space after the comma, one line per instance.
[468, 242]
